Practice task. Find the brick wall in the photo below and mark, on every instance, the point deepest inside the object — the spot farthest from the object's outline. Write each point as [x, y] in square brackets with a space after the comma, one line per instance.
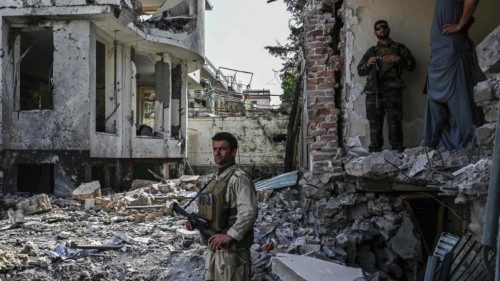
[321, 64]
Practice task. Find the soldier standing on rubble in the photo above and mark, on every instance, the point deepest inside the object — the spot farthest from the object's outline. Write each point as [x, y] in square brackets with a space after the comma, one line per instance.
[229, 202]
[384, 64]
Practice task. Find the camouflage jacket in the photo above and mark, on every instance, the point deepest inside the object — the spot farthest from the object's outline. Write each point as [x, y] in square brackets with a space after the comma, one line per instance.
[385, 71]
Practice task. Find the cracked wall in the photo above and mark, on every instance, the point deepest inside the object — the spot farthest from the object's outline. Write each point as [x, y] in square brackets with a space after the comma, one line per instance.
[410, 23]
[60, 127]
[258, 137]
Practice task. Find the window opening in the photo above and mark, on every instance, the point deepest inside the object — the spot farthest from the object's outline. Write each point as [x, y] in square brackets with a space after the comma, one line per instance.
[36, 56]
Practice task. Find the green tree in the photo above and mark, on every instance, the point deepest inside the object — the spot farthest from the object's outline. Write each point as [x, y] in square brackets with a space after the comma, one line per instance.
[289, 52]
[291, 77]
[288, 81]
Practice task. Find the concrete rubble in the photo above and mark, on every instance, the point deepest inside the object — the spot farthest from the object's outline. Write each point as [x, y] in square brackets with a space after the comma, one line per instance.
[106, 241]
[134, 235]
[464, 171]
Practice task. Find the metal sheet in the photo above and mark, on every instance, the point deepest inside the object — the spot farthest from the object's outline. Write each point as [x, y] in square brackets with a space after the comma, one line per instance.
[280, 181]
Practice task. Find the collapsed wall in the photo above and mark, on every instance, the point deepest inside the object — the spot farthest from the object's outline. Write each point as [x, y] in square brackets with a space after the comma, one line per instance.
[366, 229]
[261, 142]
[372, 223]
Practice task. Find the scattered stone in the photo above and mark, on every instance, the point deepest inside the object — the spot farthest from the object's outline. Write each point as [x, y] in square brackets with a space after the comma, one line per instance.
[10, 260]
[85, 191]
[421, 163]
[36, 204]
[188, 234]
[382, 163]
[64, 235]
[89, 203]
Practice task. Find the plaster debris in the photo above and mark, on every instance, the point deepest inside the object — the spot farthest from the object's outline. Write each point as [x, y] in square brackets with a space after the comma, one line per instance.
[35, 204]
[86, 191]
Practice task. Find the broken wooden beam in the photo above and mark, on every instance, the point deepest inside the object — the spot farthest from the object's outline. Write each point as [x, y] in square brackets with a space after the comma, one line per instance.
[145, 207]
[97, 247]
[384, 185]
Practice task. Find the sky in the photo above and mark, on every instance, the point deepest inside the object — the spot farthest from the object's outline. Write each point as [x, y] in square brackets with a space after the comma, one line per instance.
[236, 32]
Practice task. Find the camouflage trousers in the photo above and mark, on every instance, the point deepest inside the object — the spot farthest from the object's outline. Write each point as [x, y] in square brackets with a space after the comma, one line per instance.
[386, 103]
[222, 265]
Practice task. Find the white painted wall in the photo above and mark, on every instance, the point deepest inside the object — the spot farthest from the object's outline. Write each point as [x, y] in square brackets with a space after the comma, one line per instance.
[410, 23]
[253, 134]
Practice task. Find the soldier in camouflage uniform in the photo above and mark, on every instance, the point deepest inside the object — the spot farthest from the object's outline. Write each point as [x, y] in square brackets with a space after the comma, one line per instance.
[384, 64]
[229, 202]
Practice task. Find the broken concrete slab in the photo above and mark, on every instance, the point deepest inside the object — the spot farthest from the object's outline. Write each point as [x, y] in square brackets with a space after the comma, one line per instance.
[421, 163]
[488, 52]
[484, 91]
[485, 134]
[382, 163]
[188, 234]
[189, 179]
[301, 268]
[85, 191]
[404, 243]
[36, 204]
[137, 183]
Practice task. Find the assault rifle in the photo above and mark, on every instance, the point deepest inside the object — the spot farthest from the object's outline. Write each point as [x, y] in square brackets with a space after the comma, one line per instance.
[203, 227]
[198, 222]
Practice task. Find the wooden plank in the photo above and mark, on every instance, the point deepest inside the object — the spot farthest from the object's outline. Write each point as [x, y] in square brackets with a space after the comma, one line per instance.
[459, 254]
[385, 185]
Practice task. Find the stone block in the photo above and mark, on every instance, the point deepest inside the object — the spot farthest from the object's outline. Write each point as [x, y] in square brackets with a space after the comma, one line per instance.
[307, 248]
[140, 218]
[311, 192]
[294, 268]
[484, 91]
[36, 204]
[490, 110]
[421, 163]
[332, 208]
[488, 52]
[89, 203]
[188, 234]
[85, 191]
[381, 162]
[486, 134]
[404, 243]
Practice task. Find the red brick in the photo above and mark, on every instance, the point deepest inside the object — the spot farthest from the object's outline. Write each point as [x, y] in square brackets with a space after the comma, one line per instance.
[315, 33]
[313, 45]
[321, 156]
[317, 132]
[315, 57]
[324, 99]
[329, 138]
[327, 125]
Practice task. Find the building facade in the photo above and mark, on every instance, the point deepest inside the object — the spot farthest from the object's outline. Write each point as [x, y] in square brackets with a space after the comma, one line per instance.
[91, 92]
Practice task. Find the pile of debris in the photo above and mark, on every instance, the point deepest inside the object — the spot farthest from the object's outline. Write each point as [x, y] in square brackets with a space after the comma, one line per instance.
[134, 235]
[127, 235]
[463, 171]
[336, 224]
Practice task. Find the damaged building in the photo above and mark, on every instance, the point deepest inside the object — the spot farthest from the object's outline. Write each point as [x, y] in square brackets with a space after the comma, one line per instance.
[94, 90]
[218, 103]
[212, 93]
[384, 212]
